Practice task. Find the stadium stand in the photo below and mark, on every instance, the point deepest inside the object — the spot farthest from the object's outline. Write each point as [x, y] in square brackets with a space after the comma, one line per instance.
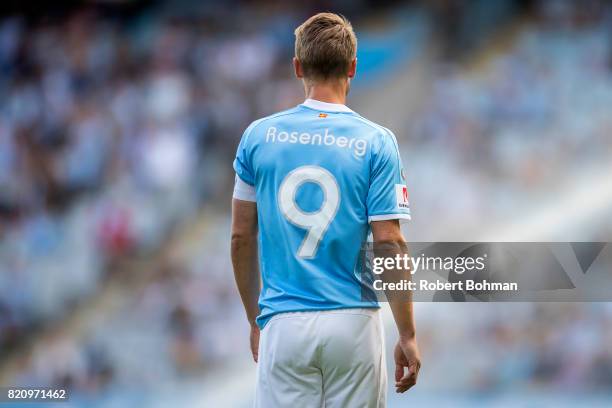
[114, 172]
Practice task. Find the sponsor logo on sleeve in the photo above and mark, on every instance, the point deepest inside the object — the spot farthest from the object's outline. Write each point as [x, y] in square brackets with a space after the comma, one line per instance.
[401, 194]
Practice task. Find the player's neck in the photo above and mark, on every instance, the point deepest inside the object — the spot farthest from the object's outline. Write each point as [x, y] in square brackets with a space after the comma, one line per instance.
[327, 92]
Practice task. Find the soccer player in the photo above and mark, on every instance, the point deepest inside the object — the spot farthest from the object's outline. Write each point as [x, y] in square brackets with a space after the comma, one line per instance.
[311, 183]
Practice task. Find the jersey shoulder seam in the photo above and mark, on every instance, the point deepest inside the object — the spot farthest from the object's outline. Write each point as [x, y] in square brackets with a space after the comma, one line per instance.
[382, 129]
[373, 124]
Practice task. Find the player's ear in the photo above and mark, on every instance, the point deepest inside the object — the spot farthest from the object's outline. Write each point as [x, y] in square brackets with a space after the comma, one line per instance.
[352, 68]
[297, 67]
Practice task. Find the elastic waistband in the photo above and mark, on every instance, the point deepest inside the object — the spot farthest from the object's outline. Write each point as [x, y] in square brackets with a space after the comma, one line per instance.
[354, 311]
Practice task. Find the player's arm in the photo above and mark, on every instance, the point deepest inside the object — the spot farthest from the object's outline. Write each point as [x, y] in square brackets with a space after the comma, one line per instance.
[389, 241]
[245, 262]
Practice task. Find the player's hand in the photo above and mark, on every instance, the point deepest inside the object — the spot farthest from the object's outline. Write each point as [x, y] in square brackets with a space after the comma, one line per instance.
[255, 342]
[406, 356]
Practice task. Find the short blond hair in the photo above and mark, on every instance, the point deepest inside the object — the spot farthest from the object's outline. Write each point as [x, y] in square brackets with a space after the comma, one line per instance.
[325, 45]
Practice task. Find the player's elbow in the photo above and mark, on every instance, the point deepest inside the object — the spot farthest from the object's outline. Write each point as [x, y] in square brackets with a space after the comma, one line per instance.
[389, 239]
[242, 237]
[387, 232]
[390, 245]
[238, 237]
[392, 238]
[244, 222]
[395, 241]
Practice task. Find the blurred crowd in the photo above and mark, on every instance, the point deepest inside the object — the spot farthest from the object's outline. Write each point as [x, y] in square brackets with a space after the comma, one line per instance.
[114, 132]
[114, 129]
[174, 327]
[538, 108]
[504, 347]
[531, 123]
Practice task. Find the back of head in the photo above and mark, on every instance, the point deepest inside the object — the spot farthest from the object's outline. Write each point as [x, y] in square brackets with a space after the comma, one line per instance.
[325, 46]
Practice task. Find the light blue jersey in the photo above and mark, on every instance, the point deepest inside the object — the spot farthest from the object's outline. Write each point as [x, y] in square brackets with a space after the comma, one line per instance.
[320, 174]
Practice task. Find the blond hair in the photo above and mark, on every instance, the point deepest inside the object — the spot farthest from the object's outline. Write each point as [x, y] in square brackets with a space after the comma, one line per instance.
[325, 45]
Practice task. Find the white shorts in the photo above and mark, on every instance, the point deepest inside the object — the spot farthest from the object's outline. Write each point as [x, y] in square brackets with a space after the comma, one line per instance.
[332, 359]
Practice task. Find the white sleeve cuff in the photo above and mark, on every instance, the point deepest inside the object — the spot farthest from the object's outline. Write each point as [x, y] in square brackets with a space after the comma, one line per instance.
[385, 217]
[243, 191]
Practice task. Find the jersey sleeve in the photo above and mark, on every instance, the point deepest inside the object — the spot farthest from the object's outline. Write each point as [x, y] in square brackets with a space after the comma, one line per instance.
[242, 162]
[388, 195]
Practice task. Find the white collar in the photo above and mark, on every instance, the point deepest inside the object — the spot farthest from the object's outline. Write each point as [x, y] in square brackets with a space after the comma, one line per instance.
[325, 106]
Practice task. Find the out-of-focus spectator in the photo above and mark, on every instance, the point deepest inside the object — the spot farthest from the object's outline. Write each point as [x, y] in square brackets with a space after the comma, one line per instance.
[111, 132]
